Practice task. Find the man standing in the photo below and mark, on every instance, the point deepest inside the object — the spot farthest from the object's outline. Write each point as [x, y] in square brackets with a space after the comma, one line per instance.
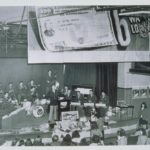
[53, 96]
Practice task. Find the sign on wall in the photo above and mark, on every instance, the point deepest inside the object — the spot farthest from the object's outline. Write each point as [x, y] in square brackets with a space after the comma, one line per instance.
[141, 92]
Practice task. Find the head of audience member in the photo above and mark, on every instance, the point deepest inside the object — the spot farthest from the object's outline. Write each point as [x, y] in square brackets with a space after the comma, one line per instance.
[143, 131]
[55, 138]
[95, 139]
[121, 133]
[38, 141]
[21, 143]
[84, 142]
[28, 142]
[67, 141]
[75, 134]
[14, 142]
[143, 105]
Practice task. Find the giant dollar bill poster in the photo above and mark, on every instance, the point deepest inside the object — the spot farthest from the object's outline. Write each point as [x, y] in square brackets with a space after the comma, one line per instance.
[74, 28]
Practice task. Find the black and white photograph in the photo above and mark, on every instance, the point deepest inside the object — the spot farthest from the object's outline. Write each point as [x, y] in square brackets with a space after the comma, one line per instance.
[63, 34]
[74, 75]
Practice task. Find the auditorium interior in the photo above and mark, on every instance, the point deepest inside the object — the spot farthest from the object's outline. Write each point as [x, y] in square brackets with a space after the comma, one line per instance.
[99, 102]
[126, 84]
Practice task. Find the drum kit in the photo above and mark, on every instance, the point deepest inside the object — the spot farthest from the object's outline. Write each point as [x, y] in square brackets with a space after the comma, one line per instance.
[37, 110]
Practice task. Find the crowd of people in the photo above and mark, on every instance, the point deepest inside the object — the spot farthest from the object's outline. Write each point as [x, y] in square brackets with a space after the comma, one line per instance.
[141, 135]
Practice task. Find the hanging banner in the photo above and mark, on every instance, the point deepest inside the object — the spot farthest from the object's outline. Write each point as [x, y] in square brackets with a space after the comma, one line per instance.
[72, 28]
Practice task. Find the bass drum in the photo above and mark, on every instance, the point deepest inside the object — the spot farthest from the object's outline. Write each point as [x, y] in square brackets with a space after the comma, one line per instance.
[38, 111]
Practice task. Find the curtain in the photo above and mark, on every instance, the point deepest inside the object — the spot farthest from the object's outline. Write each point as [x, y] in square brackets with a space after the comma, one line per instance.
[106, 80]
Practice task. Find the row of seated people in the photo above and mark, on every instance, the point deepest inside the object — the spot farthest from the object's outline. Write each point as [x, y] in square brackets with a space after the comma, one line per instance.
[31, 92]
[139, 137]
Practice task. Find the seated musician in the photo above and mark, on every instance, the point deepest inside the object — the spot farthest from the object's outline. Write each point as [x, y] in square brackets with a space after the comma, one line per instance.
[78, 97]
[104, 99]
[22, 91]
[33, 90]
[67, 93]
[91, 97]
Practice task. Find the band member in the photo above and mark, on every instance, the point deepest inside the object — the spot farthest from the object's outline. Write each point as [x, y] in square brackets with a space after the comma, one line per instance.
[66, 93]
[11, 91]
[91, 97]
[33, 90]
[22, 91]
[104, 99]
[53, 96]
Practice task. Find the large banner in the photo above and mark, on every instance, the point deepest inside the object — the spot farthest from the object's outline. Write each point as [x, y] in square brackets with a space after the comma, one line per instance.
[72, 28]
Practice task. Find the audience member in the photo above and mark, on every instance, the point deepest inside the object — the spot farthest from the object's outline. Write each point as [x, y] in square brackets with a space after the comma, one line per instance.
[21, 143]
[67, 141]
[28, 142]
[96, 140]
[38, 141]
[148, 138]
[142, 138]
[121, 137]
[55, 141]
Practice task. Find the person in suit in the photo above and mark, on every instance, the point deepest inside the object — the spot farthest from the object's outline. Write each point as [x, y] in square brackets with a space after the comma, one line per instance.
[104, 98]
[11, 91]
[91, 97]
[33, 90]
[22, 92]
[53, 96]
